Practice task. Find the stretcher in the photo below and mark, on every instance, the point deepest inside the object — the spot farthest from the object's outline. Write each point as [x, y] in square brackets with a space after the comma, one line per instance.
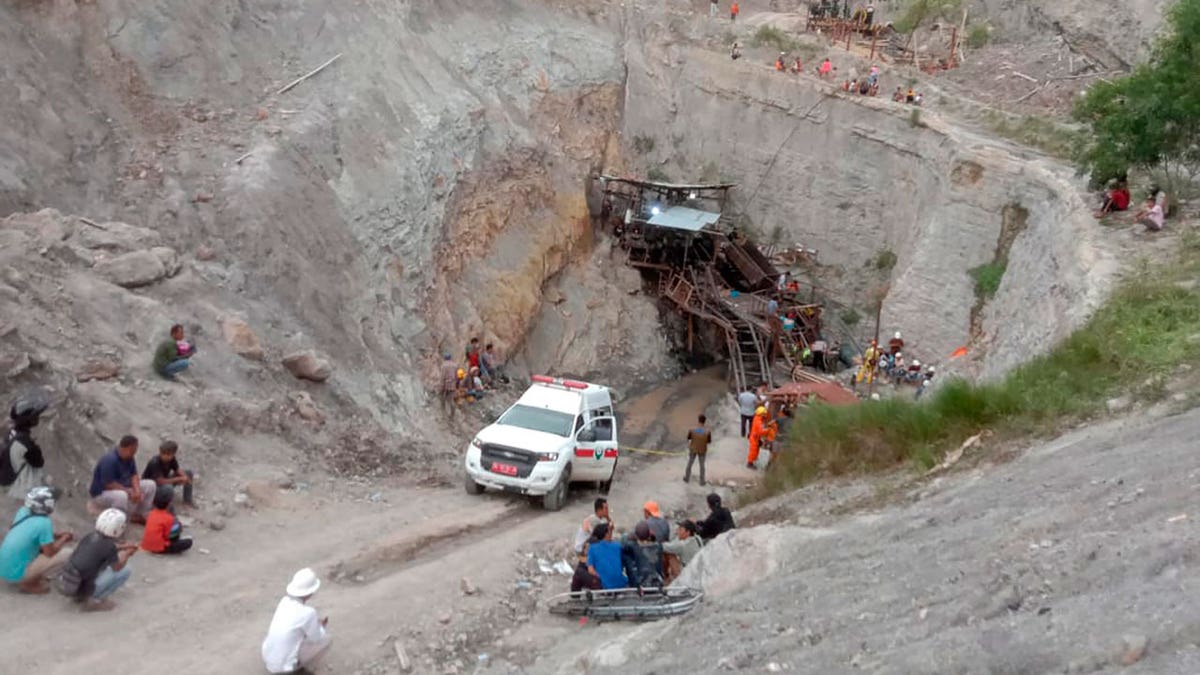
[626, 604]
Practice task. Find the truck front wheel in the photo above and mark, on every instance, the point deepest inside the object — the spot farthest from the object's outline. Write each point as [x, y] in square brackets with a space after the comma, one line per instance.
[472, 487]
[557, 496]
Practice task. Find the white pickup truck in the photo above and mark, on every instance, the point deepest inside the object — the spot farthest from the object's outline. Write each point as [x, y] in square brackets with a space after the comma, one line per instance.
[559, 432]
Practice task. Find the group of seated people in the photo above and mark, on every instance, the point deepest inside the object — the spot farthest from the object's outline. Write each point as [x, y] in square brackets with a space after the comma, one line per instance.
[481, 374]
[866, 86]
[34, 557]
[911, 96]
[647, 557]
[1153, 212]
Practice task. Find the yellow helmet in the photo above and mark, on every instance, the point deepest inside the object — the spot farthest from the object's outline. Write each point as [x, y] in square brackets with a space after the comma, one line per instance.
[461, 373]
[761, 410]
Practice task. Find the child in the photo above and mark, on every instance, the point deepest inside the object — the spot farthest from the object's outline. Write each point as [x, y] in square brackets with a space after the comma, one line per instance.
[162, 528]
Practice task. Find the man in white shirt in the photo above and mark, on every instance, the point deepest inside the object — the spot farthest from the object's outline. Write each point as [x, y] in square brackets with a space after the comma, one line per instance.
[599, 515]
[747, 403]
[297, 636]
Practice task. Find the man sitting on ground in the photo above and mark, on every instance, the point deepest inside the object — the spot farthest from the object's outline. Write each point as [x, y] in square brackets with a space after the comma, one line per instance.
[719, 519]
[98, 566]
[1151, 215]
[163, 469]
[583, 578]
[679, 553]
[604, 558]
[171, 357]
[599, 515]
[643, 557]
[658, 525]
[297, 636]
[163, 530]
[115, 483]
[1115, 199]
[32, 552]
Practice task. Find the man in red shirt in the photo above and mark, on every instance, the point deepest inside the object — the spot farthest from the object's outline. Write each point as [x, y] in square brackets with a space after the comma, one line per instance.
[733, 11]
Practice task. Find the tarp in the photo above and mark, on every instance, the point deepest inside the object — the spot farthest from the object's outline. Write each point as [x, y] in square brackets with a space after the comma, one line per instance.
[669, 186]
[828, 392]
[683, 218]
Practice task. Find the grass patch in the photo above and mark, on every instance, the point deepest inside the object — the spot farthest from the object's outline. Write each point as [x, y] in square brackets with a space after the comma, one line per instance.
[1130, 346]
[987, 278]
[770, 36]
[643, 145]
[850, 317]
[1053, 138]
[658, 175]
[978, 35]
[884, 261]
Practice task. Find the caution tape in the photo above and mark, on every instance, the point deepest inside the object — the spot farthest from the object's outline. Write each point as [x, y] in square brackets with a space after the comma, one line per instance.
[646, 451]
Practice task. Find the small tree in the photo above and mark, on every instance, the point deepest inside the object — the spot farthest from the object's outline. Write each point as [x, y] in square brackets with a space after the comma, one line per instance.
[916, 12]
[1151, 117]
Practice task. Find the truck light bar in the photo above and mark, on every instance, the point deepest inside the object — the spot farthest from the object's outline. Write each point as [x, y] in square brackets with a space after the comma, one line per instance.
[570, 384]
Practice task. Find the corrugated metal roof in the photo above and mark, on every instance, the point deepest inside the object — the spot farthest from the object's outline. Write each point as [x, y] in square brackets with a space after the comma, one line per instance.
[683, 218]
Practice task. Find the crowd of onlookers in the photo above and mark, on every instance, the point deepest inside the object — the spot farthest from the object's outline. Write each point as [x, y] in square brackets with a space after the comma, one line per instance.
[471, 379]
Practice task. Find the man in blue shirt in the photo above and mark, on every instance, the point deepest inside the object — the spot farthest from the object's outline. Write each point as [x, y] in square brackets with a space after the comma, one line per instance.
[32, 551]
[115, 483]
[604, 558]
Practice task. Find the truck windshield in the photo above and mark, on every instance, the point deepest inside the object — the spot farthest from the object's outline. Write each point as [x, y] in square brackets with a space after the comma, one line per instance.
[538, 419]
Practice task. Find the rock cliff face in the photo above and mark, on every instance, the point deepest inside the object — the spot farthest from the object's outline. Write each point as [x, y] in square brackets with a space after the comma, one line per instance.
[428, 185]
[418, 191]
[854, 177]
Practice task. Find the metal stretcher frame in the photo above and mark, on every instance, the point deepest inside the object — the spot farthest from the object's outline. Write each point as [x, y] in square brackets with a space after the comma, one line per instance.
[627, 604]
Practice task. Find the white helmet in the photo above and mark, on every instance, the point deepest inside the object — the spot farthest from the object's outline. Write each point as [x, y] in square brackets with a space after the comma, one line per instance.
[40, 501]
[916, 362]
[897, 335]
[111, 523]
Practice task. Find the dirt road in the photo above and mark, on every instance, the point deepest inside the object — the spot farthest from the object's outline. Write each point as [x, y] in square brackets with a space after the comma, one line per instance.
[391, 558]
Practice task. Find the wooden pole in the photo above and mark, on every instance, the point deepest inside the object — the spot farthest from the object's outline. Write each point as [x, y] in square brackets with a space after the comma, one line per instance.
[849, 34]
[874, 39]
[878, 314]
[691, 333]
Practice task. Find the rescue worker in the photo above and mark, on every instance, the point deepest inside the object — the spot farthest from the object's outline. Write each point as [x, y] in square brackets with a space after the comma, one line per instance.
[779, 64]
[896, 344]
[870, 360]
[757, 428]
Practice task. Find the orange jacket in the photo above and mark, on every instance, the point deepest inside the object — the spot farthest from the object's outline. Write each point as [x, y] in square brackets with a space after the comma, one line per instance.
[733, 9]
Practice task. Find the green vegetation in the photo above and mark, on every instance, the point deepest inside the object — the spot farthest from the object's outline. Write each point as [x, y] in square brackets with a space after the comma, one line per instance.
[987, 278]
[643, 145]
[1053, 138]
[916, 12]
[1148, 327]
[978, 35]
[658, 175]
[850, 317]
[884, 261]
[1150, 118]
[770, 36]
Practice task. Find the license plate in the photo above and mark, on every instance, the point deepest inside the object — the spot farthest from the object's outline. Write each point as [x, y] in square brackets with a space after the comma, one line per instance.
[504, 469]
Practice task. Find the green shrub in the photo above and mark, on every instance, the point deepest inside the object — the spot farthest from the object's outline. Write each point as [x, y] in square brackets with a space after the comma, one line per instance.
[850, 317]
[978, 35]
[657, 175]
[1140, 335]
[987, 278]
[884, 261]
[643, 145]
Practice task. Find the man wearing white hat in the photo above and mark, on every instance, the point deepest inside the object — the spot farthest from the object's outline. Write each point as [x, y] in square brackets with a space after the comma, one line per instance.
[297, 636]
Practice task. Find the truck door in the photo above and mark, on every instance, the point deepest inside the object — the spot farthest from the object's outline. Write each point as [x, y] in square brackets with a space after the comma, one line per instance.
[596, 450]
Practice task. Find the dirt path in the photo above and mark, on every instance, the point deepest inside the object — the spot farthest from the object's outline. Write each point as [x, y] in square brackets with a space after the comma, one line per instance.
[391, 569]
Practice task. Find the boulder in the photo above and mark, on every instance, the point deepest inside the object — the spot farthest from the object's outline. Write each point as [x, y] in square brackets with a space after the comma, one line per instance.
[115, 237]
[98, 369]
[169, 258]
[13, 364]
[241, 339]
[306, 407]
[131, 270]
[306, 365]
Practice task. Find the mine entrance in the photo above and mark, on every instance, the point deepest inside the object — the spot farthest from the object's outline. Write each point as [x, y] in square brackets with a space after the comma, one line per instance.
[702, 266]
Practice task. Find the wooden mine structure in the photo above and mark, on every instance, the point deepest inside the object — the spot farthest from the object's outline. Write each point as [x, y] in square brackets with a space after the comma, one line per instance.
[681, 237]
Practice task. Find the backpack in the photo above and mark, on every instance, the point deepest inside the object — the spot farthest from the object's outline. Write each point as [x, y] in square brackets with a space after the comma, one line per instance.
[33, 457]
[7, 475]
